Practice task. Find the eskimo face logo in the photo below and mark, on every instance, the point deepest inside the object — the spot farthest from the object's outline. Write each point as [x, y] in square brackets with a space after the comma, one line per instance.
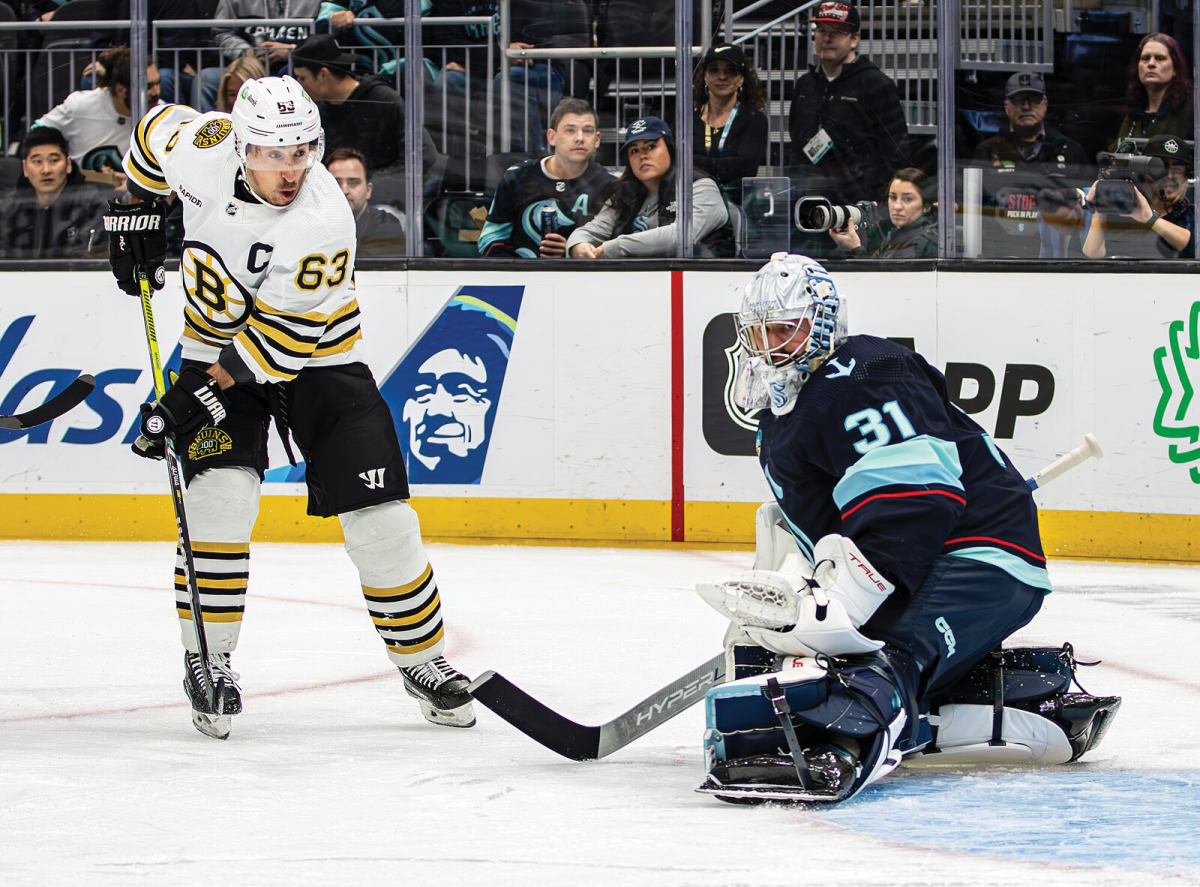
[1177, 417]
[447, 411]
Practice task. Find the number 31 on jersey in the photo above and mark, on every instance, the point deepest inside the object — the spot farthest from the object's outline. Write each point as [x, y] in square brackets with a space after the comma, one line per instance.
[872, 425]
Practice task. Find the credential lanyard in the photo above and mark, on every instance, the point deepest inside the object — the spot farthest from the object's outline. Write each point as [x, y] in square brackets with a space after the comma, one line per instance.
[725, 131]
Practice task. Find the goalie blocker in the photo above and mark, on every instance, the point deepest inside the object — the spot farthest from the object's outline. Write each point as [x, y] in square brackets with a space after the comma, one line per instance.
[824, 728]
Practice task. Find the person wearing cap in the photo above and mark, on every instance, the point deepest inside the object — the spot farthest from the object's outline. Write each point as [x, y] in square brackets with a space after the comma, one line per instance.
[1032, 173]
[729, 126]
[365, 114]
[638, 219]
[1163, 222]
[847, 127]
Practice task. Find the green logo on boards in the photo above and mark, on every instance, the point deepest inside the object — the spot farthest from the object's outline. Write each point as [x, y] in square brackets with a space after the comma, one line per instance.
[1178, 415]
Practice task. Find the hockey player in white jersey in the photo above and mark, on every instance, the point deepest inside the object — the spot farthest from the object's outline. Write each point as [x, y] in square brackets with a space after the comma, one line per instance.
[271, 331]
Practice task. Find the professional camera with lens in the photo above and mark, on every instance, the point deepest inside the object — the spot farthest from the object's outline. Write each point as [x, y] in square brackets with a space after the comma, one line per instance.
[1119, 176]
[818, 214]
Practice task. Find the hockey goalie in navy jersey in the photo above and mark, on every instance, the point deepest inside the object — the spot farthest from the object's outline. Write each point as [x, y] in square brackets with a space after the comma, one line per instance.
[271, 332]
[901, 550]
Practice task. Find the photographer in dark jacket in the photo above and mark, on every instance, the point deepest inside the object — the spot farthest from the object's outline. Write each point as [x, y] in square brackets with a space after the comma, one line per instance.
[1162, 221]
[913, 234]
[847, 126]
[53, 213]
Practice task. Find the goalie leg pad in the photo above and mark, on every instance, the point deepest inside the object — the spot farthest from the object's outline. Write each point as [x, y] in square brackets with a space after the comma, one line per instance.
[222, 505]
[384, 542]
[819, 731]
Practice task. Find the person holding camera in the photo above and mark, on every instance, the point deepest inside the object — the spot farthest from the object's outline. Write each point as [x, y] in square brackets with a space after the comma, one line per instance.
[913, 234]
[1145, 215]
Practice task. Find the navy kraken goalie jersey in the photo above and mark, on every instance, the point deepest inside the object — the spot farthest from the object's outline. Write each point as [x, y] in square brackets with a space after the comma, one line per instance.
[514, 222]
[875, 450]
[274, 283]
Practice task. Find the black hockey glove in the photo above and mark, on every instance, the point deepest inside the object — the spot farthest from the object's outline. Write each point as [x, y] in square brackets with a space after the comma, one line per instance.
[193, 401]
[137, 235]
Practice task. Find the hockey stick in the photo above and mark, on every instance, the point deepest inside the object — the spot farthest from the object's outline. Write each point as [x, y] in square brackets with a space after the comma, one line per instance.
[585, 743]
[72, 396]
[1088, 449]
[176, 476]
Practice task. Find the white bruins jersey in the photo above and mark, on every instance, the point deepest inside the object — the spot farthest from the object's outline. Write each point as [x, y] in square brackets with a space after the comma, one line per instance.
[277, 283]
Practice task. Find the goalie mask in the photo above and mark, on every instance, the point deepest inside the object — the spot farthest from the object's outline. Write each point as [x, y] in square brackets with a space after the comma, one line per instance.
[276, 128]
[789, 322]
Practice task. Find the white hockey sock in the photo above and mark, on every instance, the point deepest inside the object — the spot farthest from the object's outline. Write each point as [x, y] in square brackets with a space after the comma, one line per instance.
[384, 542]
[222, 505]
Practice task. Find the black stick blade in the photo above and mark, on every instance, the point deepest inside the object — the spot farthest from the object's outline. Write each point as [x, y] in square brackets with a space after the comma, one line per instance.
[74, 394]
[541, 724]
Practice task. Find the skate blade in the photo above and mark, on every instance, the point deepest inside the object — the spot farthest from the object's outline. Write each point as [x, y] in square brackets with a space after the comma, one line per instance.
[215, 726]
[463, 716]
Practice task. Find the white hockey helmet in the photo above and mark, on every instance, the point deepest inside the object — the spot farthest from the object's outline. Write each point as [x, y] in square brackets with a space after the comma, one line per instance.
[276, 112]
[789, 290]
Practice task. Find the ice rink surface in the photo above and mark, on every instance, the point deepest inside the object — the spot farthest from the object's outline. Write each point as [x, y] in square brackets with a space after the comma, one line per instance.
[332, 777]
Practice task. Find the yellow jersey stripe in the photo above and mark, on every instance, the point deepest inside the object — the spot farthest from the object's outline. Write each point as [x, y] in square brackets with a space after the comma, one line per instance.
[349, 308]
[276, 337]
[340, 348]
[147, 183]
[219, 548]
[146, 128]
[259, 358]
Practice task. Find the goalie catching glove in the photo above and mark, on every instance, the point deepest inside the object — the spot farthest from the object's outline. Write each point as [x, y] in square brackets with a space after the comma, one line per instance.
[798, 616]
[193, 401]
[137, 237]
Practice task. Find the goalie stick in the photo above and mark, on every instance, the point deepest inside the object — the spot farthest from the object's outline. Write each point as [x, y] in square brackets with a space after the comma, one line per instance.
[72, 396]
[581, 742]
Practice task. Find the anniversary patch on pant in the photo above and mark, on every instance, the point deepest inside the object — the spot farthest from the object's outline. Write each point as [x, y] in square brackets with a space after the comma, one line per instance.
[210, 442]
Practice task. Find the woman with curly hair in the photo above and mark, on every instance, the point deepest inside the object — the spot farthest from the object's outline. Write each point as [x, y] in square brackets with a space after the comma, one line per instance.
[1159, 93]
[729, 126]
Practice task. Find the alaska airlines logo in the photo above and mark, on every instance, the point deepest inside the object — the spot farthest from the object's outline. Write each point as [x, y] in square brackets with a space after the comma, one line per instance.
[445, 391]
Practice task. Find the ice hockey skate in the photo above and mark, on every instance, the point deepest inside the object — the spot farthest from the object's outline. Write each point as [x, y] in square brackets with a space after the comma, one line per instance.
[441, 691]
[228, 700]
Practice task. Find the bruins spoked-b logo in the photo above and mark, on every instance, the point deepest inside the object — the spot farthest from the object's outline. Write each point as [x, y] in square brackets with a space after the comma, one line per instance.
[210, 442]
[216, 300]
[212, 133]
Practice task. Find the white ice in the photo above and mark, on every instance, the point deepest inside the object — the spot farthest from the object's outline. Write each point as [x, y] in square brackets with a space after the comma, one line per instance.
[332, 777]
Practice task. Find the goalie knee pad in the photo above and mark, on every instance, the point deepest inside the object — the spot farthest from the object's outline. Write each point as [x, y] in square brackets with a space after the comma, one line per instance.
[222, 505]
[384, 542]
[775, 547]
[820, 730]
[1015, 707]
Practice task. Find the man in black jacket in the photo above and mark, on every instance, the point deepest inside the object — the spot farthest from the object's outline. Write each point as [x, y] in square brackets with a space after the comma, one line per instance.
[53, 213]
[847, 126]
[1030, 175]
[365, 114]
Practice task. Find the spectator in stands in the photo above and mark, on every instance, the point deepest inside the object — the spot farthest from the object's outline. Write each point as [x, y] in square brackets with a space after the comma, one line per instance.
[1162, 223]
[460, 42]
[237, 73]
[538, 84]
[729, 126]
[53, 213]
[638, 219]
[365, 114]
[1030, 167]
[848, 132]
[177, 56]
[1159, 93]
[380, 227]
[569, 181]
[913, 234]
[267, 42]
[96, 122]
